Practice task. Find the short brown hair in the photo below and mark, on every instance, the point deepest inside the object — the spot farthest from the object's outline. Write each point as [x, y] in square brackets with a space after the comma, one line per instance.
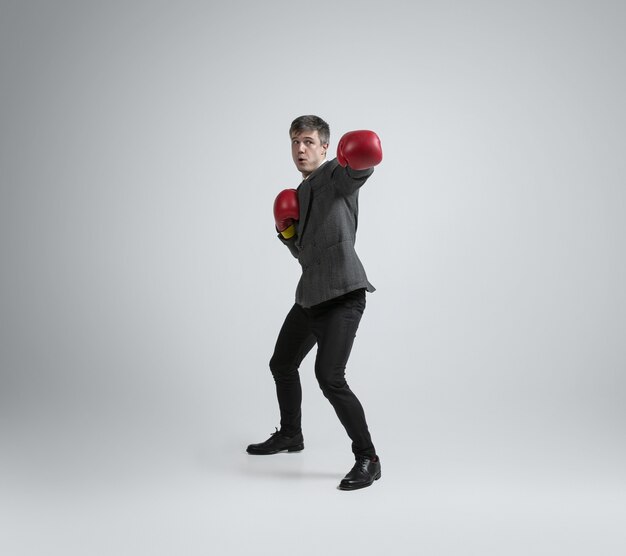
[311, 123]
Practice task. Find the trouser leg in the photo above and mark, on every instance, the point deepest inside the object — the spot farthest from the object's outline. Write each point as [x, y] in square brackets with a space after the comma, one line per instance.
[334, 325]
[294, 341]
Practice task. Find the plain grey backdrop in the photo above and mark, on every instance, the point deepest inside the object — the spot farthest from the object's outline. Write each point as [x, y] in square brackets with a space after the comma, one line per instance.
[142, 285]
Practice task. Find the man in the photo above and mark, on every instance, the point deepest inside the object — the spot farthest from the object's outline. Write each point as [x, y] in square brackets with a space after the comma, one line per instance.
[318, 223]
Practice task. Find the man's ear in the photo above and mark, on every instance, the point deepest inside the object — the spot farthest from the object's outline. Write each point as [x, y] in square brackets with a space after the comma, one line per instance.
[325, 145]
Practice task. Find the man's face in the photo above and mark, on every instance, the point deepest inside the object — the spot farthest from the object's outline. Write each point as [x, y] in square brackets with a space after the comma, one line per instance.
[307, 151]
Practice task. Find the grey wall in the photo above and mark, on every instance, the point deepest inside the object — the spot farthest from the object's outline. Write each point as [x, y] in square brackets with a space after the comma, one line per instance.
[142, 286]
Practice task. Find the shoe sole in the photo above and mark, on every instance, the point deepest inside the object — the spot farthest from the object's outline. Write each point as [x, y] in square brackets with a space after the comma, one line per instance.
[357, 487]
[296, 448]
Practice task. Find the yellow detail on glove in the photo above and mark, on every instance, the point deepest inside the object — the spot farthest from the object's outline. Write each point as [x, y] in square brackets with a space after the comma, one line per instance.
[289, 232]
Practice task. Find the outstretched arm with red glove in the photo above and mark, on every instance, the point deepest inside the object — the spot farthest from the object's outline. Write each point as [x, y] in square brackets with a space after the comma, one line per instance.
[359, 150]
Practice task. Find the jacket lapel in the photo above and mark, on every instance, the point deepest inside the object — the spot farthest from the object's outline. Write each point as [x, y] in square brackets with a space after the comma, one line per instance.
[304, 198]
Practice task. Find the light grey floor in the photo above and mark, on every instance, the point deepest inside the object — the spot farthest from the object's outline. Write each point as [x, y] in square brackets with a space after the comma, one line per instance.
[99, 498]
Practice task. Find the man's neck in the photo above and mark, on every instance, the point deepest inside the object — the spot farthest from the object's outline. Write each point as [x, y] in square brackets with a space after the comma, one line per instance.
[304, 177]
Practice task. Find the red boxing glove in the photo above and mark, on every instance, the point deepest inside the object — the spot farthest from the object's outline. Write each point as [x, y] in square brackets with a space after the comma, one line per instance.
[286, 212]
[359, 150]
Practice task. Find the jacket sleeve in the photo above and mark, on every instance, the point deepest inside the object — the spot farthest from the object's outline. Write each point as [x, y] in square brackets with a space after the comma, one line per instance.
[290, 243]
[348, 180]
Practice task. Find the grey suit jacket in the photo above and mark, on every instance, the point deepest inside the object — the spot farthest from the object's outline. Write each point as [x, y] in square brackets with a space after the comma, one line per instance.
[326, 232]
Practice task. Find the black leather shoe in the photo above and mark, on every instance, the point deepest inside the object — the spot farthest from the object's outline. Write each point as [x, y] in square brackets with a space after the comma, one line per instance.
[277, 442]
[363, 474]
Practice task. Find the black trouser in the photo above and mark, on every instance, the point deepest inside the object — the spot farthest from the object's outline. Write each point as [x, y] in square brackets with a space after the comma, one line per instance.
[331, 325]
